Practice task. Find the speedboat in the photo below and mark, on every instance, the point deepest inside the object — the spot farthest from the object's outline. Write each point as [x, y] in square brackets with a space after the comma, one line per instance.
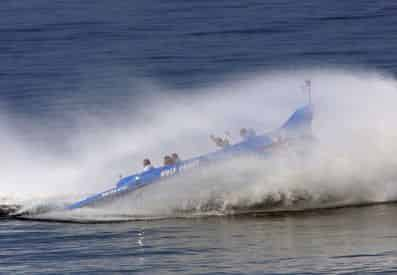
[297, 129]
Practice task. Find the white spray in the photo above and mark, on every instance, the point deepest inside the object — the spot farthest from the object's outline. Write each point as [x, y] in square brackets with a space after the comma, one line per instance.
[353, 161]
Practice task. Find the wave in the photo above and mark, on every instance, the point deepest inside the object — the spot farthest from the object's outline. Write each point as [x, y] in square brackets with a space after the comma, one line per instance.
[353, 162]
[243, 186]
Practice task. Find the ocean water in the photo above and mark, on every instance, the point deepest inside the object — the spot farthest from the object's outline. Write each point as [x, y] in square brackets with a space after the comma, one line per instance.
[90, 88]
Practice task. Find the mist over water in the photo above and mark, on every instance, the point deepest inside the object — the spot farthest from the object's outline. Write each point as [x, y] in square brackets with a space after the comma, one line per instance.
[88, 89]
[351, 163]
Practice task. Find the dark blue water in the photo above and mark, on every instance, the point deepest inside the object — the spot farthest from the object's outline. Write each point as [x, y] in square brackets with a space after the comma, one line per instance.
[334, 241]
[50, 49]
[61, 59]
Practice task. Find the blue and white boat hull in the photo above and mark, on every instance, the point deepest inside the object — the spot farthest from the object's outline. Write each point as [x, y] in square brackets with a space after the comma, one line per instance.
[297, 127]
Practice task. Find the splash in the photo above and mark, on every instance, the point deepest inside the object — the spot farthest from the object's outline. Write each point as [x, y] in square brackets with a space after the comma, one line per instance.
[353, 161]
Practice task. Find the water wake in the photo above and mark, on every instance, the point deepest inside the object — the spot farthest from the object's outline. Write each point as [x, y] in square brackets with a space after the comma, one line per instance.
[353, 161]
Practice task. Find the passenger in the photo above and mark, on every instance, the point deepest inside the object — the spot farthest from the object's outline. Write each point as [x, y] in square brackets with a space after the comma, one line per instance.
[220, 142]
[244, 133]
[147, 165]
[168, 160]
[175, 158]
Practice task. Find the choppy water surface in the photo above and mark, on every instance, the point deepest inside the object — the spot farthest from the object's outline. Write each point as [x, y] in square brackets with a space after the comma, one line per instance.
[333, 241]
[89, 89]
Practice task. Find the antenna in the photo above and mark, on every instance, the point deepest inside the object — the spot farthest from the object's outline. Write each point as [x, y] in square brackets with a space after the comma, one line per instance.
[308, 85]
